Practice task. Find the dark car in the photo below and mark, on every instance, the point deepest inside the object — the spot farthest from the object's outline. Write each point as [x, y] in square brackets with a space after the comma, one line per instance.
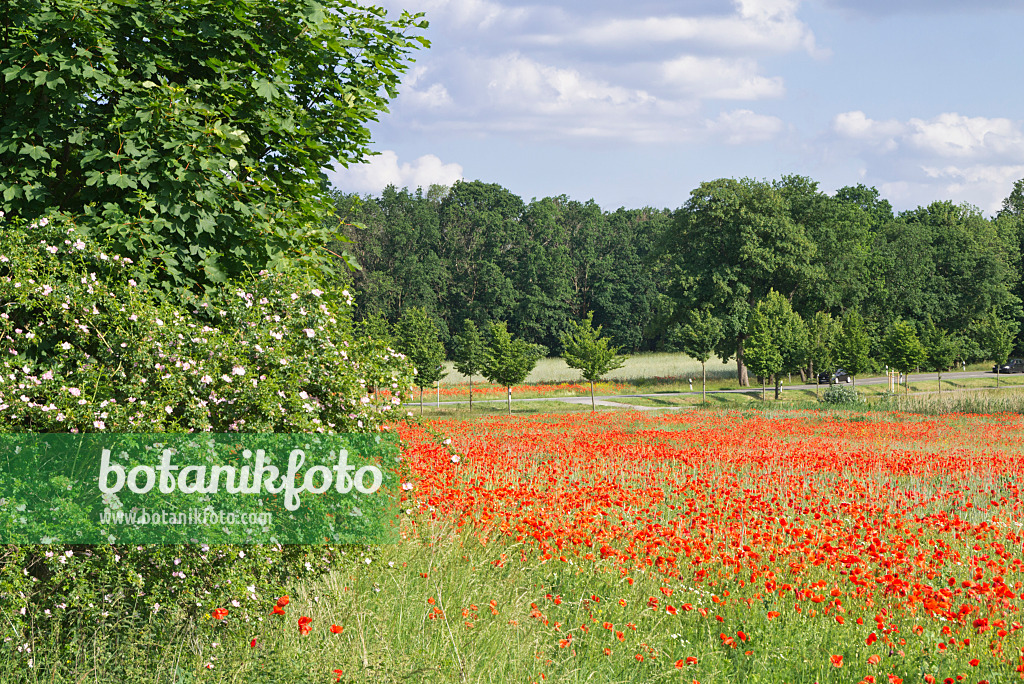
[831, 378]
[1011, 366]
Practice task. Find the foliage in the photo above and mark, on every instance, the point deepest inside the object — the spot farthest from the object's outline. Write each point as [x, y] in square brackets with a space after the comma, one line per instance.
[778, 337]
[416, 337]
[943, 260]
[840, 229]
[854, 345]
[823, 333]
[762, 353]
[584, 349]
[698, 338]
[728, 247]
[902, 350]
[193, 135]
[95, 350]
[840, 394]
[478, 251]
[92, 349]
[507, 361]
[941, 349]
[995, 336]
[469, 354]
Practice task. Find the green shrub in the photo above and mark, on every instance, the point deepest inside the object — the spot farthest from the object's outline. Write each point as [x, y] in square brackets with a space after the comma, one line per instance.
[87, 348]
[840, 394]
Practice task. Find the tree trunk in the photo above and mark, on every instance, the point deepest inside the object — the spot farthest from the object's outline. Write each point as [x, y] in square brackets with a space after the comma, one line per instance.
[703, 384]
[593, 404]
[940, 382]
[741, 367]
[778, 385]
[421, 401]
[471, 393]
[509, 399]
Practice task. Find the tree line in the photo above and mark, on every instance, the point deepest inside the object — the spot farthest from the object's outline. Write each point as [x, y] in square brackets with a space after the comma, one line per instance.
[477, 251]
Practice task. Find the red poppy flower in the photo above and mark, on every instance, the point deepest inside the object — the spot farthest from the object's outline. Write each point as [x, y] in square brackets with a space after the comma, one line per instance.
[283, 601]
[836, 660]
[335, 629]
[305, 625]
[219, 613]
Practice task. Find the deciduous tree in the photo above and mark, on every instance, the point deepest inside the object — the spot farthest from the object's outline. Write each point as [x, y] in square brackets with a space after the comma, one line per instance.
[193, 134]
[584, 349]
[698, 336]
[470, 354]
[507, 361]
[417, 338]
[902, 349]
[823, 333]
[853, 350]
[729, 245]
[941, 349]
[995, 337]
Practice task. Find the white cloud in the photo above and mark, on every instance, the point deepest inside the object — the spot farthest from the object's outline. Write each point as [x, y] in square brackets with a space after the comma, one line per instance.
[952, 135]
[720, 78]
[472, 14]
[638, 73]
[946, 136]
[972, 159]
[857, 126]
[516, 95]
[382, 170]
[762, 26]
[744, 126]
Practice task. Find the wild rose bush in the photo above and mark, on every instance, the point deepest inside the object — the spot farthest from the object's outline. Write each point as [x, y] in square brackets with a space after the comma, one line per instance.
[87, 346]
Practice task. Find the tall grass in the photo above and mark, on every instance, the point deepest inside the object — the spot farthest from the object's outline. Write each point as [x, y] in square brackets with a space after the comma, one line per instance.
[636, 368]
[963, 401]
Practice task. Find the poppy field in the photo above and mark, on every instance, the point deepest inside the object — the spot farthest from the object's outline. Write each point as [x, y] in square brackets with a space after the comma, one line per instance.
[710, 546]
[721, 547]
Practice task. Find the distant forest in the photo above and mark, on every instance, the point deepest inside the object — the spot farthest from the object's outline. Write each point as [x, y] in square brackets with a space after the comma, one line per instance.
[477, 251]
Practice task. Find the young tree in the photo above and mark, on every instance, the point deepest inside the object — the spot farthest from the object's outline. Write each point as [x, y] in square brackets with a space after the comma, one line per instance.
[823, 333]
[941, 350]
[193, 134]
[903, 350]
[585, 350]
[789, 334]
[853, 349]
[507, 361]
[762, 352]
[698, 337]
[995, 337]
[418, 340]
[469, 354]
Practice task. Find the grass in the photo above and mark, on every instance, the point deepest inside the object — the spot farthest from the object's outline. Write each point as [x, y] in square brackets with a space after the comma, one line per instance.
[638, 368]
[481, 603]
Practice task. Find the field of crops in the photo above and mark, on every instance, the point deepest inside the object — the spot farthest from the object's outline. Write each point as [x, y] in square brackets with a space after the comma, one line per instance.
[720, 547]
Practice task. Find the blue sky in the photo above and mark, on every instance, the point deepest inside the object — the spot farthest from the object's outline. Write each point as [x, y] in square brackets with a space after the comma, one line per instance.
[634, 103]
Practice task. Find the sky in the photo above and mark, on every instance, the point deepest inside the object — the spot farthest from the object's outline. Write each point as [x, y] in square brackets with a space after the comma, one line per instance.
[634, 103]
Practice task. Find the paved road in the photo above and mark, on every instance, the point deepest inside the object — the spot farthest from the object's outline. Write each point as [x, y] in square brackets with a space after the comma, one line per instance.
[609, 400]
